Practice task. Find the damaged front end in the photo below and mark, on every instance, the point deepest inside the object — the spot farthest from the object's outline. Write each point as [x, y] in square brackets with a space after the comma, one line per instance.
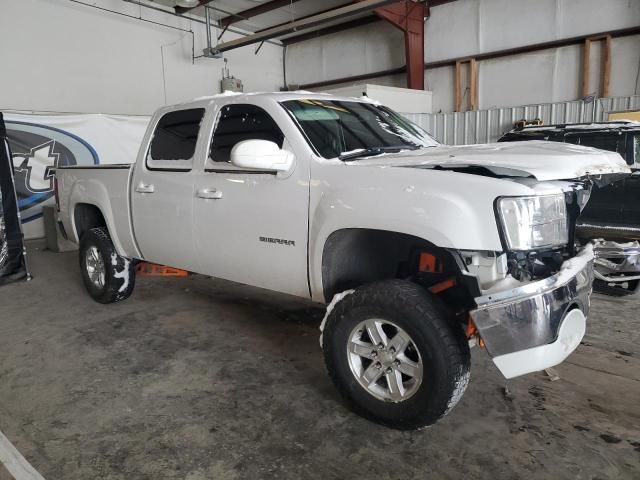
[535, 295]
[531, 299]
[526, 262]
[537, 324]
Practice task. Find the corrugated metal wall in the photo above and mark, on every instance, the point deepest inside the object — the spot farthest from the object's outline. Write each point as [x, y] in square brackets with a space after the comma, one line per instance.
[485, 126]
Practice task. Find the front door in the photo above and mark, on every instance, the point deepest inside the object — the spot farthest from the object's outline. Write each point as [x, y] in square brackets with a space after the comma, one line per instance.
[162, 193]
[251, 226]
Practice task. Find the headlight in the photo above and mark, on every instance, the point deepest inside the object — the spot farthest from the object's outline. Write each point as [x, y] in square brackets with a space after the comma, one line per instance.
[533, 222]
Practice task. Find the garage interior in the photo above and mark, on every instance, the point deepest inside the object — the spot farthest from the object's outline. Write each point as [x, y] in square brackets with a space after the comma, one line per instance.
[195, 377]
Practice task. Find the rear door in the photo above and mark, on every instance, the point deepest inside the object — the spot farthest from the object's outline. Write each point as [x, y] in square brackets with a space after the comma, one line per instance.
[251, 226]
[163, 190]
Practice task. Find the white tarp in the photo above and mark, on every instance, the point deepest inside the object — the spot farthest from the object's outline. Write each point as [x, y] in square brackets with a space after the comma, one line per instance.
[39, 143]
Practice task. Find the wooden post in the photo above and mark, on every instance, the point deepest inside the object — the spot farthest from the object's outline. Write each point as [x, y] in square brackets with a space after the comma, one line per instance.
[586, 66]
[606, 66]
[472, 99]
[458, 95]
[473, 84]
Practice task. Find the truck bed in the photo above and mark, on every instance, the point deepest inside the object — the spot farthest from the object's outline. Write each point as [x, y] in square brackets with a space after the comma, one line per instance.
[117, 166]
[105, 186]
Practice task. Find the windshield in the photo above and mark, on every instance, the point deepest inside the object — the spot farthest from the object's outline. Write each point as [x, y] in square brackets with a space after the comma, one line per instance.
[334, 128]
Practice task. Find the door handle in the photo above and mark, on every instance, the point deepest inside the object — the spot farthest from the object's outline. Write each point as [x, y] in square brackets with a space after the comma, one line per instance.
[209, 193]
[144, 188]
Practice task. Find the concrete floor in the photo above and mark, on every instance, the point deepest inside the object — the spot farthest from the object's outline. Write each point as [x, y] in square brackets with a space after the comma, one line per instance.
[205, 379]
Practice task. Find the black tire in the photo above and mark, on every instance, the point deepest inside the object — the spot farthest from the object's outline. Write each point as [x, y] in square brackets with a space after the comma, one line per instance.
[119, 272]
[442, 346]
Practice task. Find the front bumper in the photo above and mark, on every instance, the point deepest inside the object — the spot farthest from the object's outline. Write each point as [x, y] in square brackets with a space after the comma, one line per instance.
[615, 262]
[537, 325]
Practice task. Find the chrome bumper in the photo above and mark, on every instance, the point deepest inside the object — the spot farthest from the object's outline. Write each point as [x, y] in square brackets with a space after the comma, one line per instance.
[616, 262]
[523, 329]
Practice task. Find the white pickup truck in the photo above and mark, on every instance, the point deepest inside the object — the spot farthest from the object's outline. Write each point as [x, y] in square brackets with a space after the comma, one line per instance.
[420, 249]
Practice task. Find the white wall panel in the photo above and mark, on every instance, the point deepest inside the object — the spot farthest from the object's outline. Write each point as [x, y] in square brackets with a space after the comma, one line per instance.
[516, 80]
[440, 81]
[568, 74]
[468, 27]
[63, 56]
[582, 17]
[305, 62]
[368, 48]
[384, 45]
[625, 65]
[512, 23]
[452, 31]
[341, 58]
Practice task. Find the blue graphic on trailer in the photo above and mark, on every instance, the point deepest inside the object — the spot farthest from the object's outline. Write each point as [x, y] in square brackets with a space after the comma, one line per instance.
[36, 151]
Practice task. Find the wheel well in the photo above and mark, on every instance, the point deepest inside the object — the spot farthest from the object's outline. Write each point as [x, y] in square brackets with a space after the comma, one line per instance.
[86, 217]
[355, 256]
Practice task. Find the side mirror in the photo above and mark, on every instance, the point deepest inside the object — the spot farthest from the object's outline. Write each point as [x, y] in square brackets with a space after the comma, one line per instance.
[261, 155]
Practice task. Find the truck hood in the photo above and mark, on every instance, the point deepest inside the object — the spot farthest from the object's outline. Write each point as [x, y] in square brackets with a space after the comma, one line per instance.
[539, 159]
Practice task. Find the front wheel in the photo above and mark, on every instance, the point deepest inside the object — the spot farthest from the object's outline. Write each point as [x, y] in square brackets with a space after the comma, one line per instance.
[107, 276]
[395, 356]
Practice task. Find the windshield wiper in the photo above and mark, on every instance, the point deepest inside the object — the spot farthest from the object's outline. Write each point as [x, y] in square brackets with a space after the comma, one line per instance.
[369, 152]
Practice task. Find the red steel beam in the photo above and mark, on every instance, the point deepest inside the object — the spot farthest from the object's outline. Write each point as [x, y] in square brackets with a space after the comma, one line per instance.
[409, 16]
[351, 24]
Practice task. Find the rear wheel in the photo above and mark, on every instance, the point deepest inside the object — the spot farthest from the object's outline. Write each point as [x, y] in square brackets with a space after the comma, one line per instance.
[107, 276]
[395, 356]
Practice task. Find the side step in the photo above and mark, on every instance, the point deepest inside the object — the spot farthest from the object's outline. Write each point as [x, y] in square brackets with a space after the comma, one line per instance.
[146, 269]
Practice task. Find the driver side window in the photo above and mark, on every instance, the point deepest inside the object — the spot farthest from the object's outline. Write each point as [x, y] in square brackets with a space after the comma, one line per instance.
[236, 123]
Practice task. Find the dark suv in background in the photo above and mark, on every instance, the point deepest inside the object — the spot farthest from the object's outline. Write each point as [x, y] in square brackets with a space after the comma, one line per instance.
[612, 216]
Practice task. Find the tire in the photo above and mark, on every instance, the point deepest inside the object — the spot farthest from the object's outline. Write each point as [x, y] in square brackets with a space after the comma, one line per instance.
[118, 273]
[437, 344]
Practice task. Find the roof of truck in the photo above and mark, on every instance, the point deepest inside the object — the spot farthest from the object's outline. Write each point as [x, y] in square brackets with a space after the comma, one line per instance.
[281, 96]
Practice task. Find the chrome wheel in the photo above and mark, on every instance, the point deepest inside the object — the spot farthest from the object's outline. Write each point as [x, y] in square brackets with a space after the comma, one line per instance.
[384, 360]
[95, 266]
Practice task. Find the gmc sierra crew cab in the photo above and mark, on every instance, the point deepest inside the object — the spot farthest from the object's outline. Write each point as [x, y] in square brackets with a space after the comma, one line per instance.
[420, 250]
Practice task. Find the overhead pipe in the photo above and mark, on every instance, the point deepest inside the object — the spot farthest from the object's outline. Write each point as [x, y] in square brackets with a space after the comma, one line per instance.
[207, 17]
[345, 11]
[209, 52]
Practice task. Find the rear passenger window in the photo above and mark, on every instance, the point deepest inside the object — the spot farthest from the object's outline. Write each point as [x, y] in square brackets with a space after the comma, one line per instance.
[174, 140]
[237, 123]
